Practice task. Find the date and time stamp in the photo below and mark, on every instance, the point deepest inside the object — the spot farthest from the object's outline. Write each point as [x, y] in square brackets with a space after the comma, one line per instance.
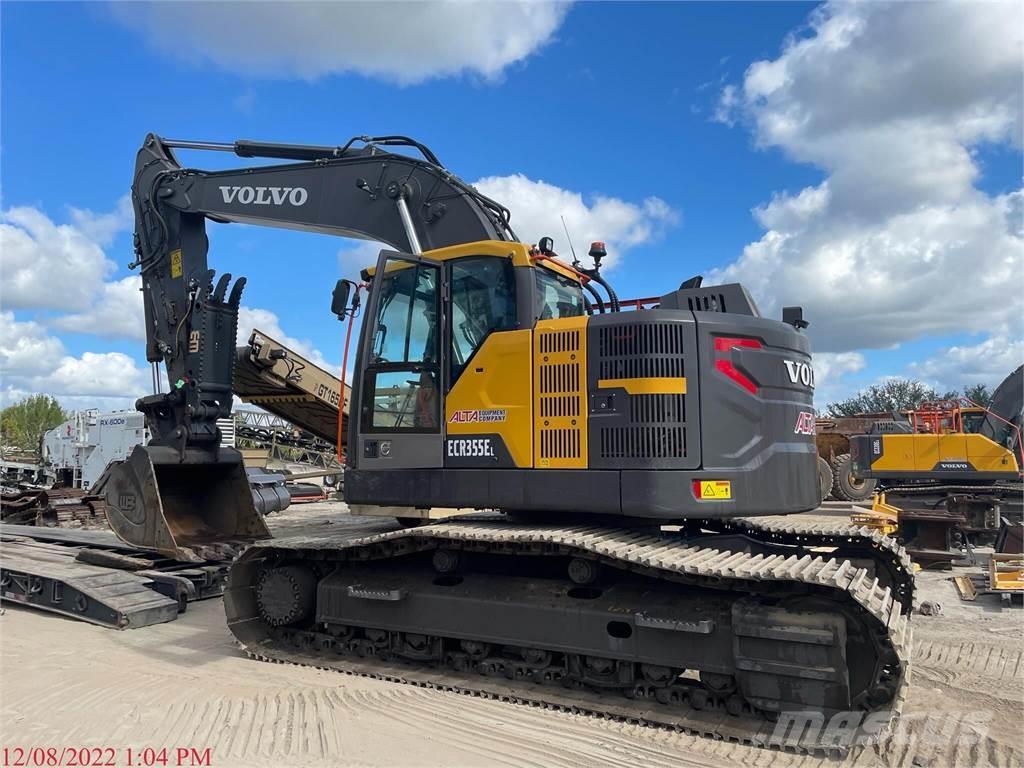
[105, 757]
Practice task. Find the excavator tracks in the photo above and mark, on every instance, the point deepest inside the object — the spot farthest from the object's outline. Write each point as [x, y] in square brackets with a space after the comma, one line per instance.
[889, 559]
[782, 615]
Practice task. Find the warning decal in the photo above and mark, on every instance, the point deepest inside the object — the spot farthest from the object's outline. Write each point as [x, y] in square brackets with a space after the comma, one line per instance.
[176, 270]
[715, 489]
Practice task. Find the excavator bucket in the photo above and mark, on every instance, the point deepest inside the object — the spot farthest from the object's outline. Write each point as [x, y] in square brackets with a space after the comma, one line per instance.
[186, 507]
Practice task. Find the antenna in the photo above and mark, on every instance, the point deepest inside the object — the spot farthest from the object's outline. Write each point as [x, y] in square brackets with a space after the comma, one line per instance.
[567, 237]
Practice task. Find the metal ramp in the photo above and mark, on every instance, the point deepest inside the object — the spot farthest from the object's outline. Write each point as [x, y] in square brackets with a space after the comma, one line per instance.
[122, 586]
[48, 577]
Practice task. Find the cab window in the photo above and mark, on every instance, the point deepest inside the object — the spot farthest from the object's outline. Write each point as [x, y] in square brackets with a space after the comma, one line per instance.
[483, 300]
[401, 391]
[557, 296]
[972, 421]
[406, 324]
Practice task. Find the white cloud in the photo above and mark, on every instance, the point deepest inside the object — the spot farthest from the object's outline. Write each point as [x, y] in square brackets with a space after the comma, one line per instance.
[33, 362]
[57, 266]
[47, 265]
[116, 313]
[404, 42]
[537, 208]
[26, 349]
[830, 368]
[897, 242]
[245, 101]
[355, 258]
[102, 228]
[987, 362]
[108, 374]
[250, 319]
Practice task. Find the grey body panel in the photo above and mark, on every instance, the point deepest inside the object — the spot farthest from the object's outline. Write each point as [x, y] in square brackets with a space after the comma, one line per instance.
[741, 430]
[778, 488]
[643, 431]
[403, 451]
[1007, 405]
[729, 297]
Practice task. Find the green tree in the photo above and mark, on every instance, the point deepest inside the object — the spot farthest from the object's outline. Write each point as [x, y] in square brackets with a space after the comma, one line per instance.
[979, 393]
[23, 424]
[891, 395]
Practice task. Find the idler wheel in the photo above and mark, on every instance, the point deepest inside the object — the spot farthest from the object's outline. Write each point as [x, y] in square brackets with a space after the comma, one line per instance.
[286, 595]
[446, 560]
[583, 572]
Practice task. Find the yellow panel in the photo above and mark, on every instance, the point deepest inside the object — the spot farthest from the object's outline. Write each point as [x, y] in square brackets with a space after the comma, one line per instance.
[897, 453]
[922, 452]
[926, 451]
[988, 456]
[665, 385]
[498, 378]
[560, 393]
[952, 447]
[518, 252]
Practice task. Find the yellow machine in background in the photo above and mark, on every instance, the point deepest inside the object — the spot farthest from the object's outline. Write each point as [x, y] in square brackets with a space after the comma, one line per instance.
[949, 477]
[943, 440]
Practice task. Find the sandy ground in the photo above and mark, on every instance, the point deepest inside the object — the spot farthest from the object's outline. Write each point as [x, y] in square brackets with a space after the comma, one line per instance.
[185, 684]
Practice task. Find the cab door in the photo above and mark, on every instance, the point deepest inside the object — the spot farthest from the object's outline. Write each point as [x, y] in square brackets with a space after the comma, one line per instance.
[401, 358]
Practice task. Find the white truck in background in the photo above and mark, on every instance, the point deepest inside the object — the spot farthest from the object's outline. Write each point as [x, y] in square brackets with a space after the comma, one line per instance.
[75, 453]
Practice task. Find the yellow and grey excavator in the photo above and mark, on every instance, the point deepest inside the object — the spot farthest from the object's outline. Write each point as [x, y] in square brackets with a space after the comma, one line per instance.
[949, 473]
[490, 374]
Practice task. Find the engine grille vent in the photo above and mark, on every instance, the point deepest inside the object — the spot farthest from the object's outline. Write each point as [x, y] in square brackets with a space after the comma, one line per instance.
[657, 409]
[653, 442]
[644, 430]
[641, 368]
[648, 339]
[560, 436]
[707, 302]
[652, 350]
[559, 341]
[560, 444]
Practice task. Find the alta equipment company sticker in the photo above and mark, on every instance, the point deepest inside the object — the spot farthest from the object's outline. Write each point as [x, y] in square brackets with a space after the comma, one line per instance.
[492, 415]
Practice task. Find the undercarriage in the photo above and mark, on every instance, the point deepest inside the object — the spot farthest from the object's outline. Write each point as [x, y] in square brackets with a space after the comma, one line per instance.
[940, 523]
[715, 630]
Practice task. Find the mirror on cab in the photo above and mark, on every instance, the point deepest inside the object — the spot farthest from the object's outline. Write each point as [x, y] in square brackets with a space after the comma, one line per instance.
[339, 298]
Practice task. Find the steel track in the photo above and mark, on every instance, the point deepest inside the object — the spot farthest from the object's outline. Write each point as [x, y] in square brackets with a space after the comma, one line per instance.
[881, 608]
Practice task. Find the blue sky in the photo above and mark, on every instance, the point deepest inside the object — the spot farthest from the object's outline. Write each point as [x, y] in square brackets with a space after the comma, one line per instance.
[619, 102]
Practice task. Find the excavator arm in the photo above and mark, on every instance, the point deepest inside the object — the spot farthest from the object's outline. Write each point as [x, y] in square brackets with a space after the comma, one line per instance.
[363, 192]
[360, 189]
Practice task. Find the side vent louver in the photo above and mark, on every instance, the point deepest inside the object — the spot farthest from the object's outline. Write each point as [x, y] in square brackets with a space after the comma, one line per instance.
[643, 429]
[707, 302]
[560, 430]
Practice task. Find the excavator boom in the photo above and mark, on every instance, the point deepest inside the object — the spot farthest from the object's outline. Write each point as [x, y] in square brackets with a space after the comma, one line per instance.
[355, 190]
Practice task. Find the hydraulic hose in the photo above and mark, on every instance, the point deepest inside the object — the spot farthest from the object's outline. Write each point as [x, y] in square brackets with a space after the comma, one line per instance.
[612, 297]
[598, 303]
